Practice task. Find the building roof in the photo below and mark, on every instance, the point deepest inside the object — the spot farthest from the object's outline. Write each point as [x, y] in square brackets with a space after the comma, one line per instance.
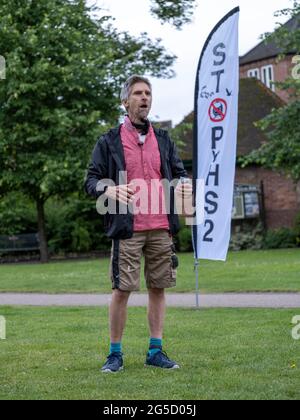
[266, 49]
[255, 102]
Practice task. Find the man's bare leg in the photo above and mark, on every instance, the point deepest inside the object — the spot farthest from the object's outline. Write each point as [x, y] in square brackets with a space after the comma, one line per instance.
[156, 312]
[118, 315]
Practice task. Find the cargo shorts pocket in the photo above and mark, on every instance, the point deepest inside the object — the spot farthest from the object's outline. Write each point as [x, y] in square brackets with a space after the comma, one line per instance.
[174, 262]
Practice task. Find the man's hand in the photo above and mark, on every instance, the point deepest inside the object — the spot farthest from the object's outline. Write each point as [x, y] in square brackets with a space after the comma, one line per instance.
[122, 193]
[185, 190]
[184, 198]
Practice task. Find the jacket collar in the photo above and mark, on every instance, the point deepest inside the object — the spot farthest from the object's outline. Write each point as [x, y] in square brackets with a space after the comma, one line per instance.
[116, 147]
[162, 143]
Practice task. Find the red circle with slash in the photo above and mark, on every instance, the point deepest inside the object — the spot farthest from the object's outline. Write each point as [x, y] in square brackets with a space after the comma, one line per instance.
[217, 110]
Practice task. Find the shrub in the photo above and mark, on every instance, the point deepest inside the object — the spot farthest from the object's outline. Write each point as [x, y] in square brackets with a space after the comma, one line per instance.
[81, 239]
[72, 225]
[17, 215]
[248, 237]
[75, 226]
[280, 238]
[184, 238]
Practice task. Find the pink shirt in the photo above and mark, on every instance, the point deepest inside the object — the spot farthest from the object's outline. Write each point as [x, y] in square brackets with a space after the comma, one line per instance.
[143, 166]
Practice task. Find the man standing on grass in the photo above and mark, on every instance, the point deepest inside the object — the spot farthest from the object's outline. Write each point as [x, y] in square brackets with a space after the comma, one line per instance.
[147, 155]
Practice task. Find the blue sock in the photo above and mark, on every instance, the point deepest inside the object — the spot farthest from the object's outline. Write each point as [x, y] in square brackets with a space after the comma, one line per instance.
[155, 345]
[115, 348]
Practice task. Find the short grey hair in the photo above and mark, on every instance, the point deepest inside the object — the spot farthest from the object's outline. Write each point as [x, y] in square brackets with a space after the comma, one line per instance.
[132, 80]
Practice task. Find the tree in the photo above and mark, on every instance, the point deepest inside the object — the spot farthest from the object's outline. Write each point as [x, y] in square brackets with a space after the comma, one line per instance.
[176, 12]
[63, 76]
[181, 132]
[65, 67]
[282, 126]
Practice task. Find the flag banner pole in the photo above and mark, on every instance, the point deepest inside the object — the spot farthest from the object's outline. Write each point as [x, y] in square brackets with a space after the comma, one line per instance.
[197, 282]
[215, 140]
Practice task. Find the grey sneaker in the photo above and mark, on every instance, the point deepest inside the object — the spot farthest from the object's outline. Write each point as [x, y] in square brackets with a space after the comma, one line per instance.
[161, 360]
[114, 363]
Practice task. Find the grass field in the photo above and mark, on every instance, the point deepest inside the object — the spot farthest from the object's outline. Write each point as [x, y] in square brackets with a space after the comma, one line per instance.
[277, 270]
[56, 353]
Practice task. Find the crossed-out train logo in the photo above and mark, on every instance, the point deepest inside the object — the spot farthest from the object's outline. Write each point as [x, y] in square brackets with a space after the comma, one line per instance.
[218, 110]
[2, 328]
[2, 68]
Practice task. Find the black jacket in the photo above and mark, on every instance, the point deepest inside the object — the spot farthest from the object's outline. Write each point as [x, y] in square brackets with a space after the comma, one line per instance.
[108, 160]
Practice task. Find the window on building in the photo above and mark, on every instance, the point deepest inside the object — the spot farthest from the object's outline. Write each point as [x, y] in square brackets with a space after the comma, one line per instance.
[254, 73]
[268, 77]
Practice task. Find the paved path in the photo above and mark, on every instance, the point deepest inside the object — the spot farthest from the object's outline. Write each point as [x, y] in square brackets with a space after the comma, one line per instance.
[226, 300]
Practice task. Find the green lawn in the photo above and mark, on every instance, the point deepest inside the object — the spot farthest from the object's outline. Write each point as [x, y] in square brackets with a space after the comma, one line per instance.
[277, 270]
[56, 353]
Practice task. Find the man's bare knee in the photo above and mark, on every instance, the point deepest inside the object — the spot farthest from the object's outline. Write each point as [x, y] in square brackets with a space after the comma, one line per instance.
[156, 291]
[120, 296]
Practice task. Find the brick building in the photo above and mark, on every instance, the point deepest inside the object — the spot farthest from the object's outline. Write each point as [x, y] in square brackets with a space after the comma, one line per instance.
[259, 193]
[262, 63]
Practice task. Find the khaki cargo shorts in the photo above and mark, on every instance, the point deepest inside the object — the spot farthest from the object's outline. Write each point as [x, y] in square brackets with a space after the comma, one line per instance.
[160, 261]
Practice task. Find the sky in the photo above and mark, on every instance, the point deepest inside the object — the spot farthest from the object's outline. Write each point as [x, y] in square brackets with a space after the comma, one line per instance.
[173, 98]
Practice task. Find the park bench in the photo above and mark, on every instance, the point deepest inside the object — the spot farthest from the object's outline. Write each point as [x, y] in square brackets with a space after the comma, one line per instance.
[19, 243]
